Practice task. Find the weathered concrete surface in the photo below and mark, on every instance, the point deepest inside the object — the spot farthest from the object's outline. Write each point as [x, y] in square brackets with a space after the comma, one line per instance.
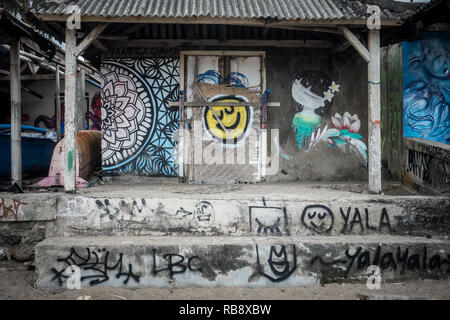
[28, 207]
[247, 214]
[138, 262]
[17, 284]
[427, 166]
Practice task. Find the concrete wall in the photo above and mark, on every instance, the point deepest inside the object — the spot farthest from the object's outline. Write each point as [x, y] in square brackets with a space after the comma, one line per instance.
[427, 166]
[338, 83]
[426, 115]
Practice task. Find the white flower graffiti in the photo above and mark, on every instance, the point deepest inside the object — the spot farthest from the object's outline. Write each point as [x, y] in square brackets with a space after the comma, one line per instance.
[349, 122]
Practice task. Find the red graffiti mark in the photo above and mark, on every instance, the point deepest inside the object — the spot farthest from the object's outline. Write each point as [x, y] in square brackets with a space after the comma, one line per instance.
[376, 122]
[12, 209]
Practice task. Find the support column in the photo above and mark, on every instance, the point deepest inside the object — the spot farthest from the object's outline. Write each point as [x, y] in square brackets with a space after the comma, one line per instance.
[374, 113]
[16, 115]
[70, 121]
[58, 104]
[81, 101]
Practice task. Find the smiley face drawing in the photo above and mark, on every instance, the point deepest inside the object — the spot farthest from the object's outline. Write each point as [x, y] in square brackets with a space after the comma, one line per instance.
[318, 218]
[235, 119]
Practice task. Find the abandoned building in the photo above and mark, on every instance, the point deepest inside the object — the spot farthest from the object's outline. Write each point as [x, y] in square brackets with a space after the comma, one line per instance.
[243, 143]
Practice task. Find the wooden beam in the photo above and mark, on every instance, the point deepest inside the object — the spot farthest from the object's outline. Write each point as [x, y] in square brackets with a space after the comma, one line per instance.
[16, 115]
[100, 46]
[202, 104]
[216, 20]
[223, 53]
[91, 37]
[181, 136]
[355, 42]
[150, 43]
[31, 77]
[306, 28]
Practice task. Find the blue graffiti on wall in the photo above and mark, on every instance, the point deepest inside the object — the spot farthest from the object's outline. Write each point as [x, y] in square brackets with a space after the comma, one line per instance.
[426, 88]
[234, 79]
[138, 128]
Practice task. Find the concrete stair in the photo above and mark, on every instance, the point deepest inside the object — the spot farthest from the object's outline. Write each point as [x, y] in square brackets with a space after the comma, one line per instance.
[245, 216]
[140, 261]
[181, 236]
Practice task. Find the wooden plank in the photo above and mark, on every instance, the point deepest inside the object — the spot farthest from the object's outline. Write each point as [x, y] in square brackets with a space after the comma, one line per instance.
[58, 102]
[202, 104]
[31, 77]
[81, 100]
[395, 109]
[91, 37]
[385, 141]
[362, 50]
[223, 53]
[309, 29]
[152, 43]
[181, 142]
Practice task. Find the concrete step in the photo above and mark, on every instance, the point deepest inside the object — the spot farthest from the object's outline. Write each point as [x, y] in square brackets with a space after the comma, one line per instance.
[231, 214]
[137, 262]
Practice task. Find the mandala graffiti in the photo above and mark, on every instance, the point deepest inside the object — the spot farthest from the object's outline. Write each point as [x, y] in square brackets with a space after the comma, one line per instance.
[137, 124]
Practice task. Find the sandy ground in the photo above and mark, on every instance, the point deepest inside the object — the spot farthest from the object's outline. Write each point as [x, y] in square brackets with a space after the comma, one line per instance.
[16, 283]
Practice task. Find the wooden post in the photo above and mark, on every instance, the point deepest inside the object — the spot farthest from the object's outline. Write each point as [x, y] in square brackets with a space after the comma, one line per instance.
[58, 103]
[373, 57]
[81, 101]
[70, 93]
[16, 115]
[374, 113]
[70, 122]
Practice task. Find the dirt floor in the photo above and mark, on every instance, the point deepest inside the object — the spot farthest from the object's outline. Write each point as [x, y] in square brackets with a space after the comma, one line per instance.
[16, 283]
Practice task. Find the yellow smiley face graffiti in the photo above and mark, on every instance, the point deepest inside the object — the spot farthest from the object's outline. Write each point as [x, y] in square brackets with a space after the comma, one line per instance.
[234, 119]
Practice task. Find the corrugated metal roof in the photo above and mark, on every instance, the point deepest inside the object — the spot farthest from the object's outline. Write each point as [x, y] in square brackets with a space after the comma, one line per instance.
[249, 9]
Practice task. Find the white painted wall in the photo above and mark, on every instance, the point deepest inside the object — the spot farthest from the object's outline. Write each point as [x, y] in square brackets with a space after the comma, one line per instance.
[33, 106]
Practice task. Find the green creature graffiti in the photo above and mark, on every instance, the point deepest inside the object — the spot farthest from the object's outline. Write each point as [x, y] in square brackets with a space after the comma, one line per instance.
[313, 97]
[313, 93]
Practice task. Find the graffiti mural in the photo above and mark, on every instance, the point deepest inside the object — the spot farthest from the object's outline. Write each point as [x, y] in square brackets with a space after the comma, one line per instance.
[313, 93]
[235, 120]
[278, 263]
[13, 209]
[98, 264]
[96, 114]
[426, 88]
[227, 124]
[137, 124]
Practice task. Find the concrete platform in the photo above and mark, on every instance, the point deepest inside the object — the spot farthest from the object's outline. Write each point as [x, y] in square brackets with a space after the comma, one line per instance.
[281, 209]
[139, 262]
